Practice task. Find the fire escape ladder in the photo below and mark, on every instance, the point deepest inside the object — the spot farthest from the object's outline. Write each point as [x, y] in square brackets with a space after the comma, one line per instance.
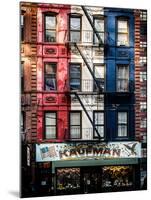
[88, 66]
[92, 25]
[93, 125]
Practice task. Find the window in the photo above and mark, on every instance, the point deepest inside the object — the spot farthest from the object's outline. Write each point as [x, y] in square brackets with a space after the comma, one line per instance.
[143, 60]
[143, 123]
[122, 124]
[22, 121]
[75, 76]
[117, 177]
[99, 123]
[143, 106]
[143, 91]
[143, 76]
[50, 76]
[143, 15]
[143, 44]
[22, 76]
[75, 28]
[50, 28]
[68, 179]
[143, 29]
[122, 78]
[22, 27]
[122, 32]
[50, 125]
[99, 75]
[75, 125]
[99, 25]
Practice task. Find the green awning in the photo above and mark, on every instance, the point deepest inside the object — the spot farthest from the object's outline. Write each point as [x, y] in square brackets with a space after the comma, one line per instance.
[100, 162]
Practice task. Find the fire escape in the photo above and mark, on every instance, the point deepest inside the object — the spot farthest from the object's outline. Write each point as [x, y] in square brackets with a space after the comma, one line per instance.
[82, 51]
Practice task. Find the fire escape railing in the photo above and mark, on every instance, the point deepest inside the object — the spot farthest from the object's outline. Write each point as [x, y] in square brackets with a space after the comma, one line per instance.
[91, 121]
[92, 25]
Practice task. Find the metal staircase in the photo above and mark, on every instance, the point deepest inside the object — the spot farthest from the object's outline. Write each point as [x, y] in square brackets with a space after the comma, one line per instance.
[81, 49]
[92, 25]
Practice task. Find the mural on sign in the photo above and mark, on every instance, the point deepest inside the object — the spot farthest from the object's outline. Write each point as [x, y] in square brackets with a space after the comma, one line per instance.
[64, 151]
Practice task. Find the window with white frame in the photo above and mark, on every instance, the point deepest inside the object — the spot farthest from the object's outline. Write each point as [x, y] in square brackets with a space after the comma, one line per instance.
[50, 27]
[122, 124]
[143, 106]
[99, 75]
[50, 125]
[99, 26]
[75, 125]
[122, 78]
[143, 123]
[75, 28]
[98, 124]
[122, 32]
[143, 76]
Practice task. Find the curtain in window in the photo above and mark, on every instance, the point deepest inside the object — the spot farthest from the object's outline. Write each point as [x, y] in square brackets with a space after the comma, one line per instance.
[122, 26]
[75, 23]
[75, 125]
[50, 125]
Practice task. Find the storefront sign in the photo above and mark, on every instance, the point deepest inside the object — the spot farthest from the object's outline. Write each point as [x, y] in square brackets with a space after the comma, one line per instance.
[83, 151]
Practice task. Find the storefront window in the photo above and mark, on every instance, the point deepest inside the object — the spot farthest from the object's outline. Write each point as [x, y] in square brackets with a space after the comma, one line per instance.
[117, 176]
[68, 179]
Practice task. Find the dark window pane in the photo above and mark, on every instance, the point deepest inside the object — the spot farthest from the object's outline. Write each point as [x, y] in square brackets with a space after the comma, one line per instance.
[50, 84]
[75, 77]
[50, 36]
[50, 76]
[50, 68]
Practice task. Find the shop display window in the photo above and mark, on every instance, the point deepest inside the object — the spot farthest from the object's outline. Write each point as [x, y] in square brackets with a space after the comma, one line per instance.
[117, 176]
[68, 179]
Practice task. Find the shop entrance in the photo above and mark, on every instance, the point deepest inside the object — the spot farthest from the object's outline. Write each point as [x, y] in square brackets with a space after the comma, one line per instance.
[91, 180]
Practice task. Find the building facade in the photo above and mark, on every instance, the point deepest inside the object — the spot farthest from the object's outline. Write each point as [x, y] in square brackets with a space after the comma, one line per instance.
[79, 97]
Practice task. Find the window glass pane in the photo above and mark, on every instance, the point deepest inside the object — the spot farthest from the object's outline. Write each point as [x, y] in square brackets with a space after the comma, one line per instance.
[123, 72]
[100, 131]
[75, 36]
[99, 118]
[101, 36]
[122, 130]
[122, 39]
[50, 132]
[75, 131]
[50, 36]
[50, 22]
[75, 71]
[50, 84]
[122, 26]
[122, 117]
[68, 179]
[50, 118]
[74, 118]
[22, 20]
[50, 68]
[99, 71]
[75, 23]
[99, 24]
